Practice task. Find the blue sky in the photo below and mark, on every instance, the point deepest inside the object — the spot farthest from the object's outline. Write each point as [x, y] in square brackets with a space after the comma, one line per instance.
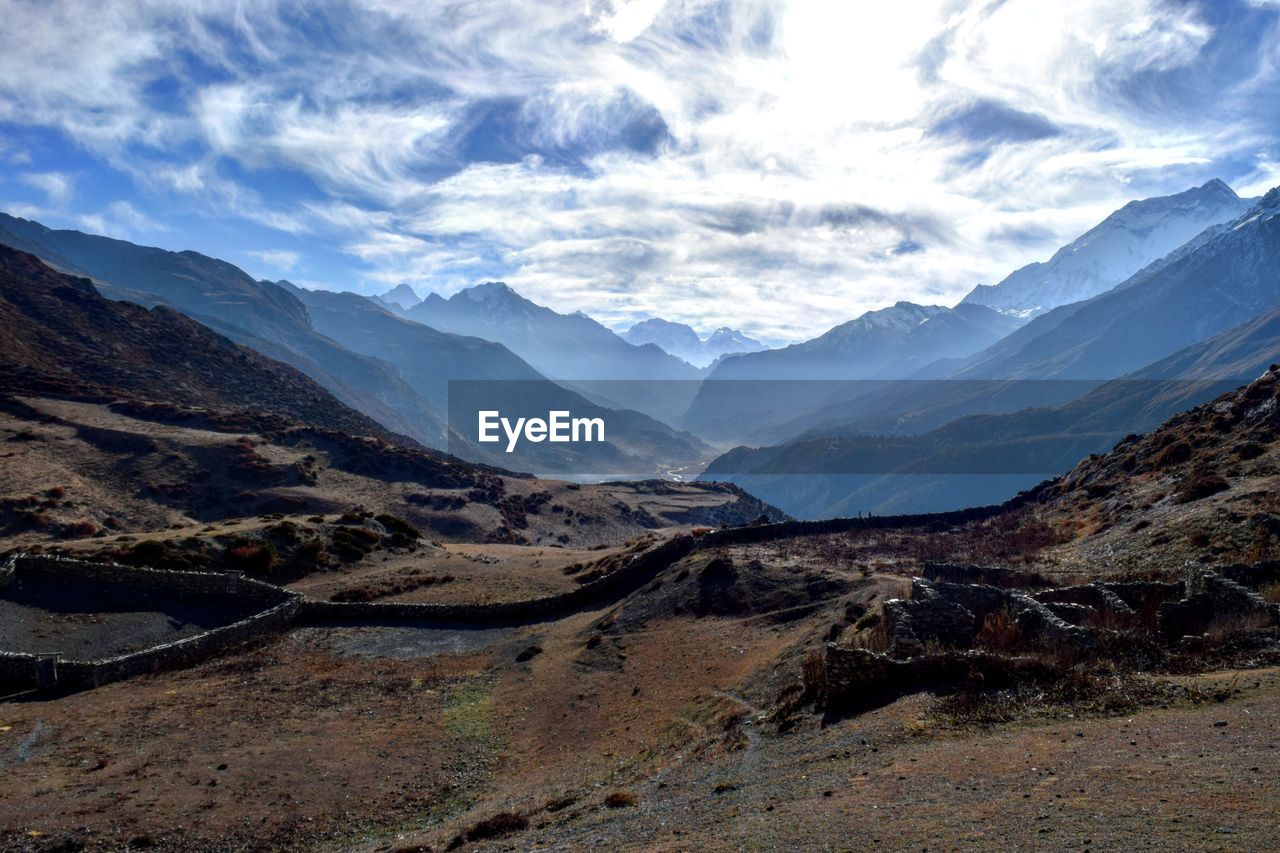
[774, 166]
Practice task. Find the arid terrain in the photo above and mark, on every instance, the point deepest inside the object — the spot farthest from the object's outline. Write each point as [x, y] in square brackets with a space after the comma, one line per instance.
[688, 713]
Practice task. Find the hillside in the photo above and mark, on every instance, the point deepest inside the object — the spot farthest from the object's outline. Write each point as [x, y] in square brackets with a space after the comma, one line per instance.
[223, 297]
[1225, 279]
[980, 459]
[462, 375]
[746, 396]
[59, 336]
[709, 707]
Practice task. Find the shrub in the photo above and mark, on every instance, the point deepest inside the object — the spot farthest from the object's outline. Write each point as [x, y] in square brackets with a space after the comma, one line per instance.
[257, 558]
[398, 525]
[312, 550]
[620, 800]
[999, 633]
[1174, 454]
[82, 529]
[150, 551]
[1201, 484]
[503, 823]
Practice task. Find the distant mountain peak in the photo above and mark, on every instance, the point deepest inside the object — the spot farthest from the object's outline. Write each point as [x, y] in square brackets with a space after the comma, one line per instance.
[402, 295]
[683, 342]
[488, 291]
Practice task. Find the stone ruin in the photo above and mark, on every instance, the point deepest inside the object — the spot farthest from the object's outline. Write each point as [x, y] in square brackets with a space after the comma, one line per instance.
[931, 638]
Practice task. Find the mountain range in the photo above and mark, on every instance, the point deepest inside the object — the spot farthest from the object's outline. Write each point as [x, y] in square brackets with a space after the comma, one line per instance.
[1182, 329]
[914, 383]
[262, 316]
[683, 342]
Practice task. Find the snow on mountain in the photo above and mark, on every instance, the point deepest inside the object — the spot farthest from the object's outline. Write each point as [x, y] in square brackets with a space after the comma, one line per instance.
[683, 342]
[1125, 242]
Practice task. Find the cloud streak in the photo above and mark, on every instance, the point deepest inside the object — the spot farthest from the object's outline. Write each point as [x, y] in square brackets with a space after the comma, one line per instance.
[776, 166]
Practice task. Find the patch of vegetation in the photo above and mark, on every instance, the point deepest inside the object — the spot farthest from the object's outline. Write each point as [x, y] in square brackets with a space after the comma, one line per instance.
[1078, 693]
[468, 711]
[1201, 484]
[620, 799]
[253, 558]
[498, 826]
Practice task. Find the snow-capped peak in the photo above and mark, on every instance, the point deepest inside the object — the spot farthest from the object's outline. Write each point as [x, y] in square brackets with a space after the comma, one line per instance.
[1128, 240]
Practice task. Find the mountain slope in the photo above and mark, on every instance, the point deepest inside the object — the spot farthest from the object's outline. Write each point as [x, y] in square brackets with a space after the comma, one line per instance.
[1227, 278]
[59, 335]
[983, 459]
[1122, 244]
[462, 375]
[886, 344]
[259, 315]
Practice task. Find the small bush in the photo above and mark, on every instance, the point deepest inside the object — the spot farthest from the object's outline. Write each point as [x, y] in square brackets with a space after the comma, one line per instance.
[1174, 454]
[1202, 484]
[503, 823]
[999, 633]
[81, 529]
[257, 558]
[620, 800]
[398, 525]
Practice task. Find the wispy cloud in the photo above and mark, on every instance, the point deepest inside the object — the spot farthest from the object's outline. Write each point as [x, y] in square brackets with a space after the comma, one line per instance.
[57, 186]
[279, 260]
[773, 165]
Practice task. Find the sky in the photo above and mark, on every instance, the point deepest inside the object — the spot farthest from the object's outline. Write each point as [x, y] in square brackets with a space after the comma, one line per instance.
[774, 166]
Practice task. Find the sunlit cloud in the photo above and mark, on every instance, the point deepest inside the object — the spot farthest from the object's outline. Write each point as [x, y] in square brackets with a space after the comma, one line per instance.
[769, 165]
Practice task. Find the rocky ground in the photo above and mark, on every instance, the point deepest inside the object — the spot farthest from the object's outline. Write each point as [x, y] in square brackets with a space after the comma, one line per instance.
[697, 711]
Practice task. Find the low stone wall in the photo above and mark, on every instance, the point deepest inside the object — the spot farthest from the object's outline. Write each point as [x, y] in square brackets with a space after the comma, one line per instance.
[950, 614]
[1253, 575]
[1213, 601]
[165, 580]
[17, 671]
[785, 529]
[989, 575]
[857, 679]
[82, 675]
[21, 671]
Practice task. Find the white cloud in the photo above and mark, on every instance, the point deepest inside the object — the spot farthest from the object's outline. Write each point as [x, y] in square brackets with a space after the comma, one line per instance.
[57, 186]
[763, 164]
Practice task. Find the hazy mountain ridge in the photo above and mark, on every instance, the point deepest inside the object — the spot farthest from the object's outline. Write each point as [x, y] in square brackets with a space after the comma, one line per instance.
[488, 375]
[60, 335]
[684, 343]
[560, 346]
[260, 315]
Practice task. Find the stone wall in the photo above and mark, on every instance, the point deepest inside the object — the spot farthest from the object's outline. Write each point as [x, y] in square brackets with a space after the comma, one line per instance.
[21, 671]
[1209, 601]
[786, 529]
[949, 615]
[857, 679]
[164, 580]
